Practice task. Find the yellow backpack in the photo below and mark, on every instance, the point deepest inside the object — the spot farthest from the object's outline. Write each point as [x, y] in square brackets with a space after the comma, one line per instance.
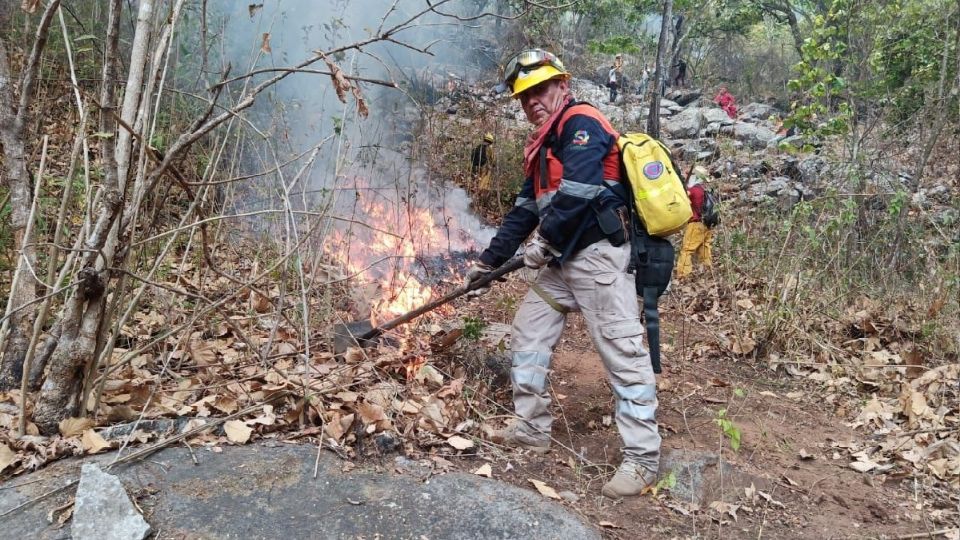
[659, 196]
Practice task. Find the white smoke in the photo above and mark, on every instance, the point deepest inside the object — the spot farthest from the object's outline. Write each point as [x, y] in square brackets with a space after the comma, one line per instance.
[357, 158]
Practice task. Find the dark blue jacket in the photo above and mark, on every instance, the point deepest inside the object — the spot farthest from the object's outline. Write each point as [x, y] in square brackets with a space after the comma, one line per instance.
[584, 180]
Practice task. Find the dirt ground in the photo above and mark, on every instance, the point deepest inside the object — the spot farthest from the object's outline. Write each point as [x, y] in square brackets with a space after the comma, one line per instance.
[789, 452]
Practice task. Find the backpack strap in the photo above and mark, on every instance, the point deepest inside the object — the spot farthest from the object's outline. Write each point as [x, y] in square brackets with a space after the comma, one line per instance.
[639, 256]
[544, 181]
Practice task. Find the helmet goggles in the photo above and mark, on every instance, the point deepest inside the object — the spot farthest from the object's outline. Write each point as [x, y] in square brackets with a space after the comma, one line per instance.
[528, 60]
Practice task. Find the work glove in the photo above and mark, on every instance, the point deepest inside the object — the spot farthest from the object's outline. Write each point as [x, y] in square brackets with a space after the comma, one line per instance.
[538, 252]
[475, 272]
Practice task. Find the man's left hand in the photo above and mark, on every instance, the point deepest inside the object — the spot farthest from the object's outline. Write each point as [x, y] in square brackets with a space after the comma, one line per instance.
[538, 252]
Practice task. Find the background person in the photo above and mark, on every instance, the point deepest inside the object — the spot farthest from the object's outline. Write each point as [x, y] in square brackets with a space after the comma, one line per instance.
[726, 101]
[697, 237]
[481, 162]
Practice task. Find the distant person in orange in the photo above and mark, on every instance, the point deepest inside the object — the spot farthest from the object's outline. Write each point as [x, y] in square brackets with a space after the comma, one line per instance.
[726, 101]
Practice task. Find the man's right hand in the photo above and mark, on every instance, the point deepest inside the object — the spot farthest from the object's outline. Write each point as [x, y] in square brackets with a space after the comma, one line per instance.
[476, 272]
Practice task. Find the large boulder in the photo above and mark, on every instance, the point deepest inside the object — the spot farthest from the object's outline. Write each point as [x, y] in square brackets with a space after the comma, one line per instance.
[685, 124]
[586, 90]
[683, 96]
[754, 136]
[717, 115]
[758, 111]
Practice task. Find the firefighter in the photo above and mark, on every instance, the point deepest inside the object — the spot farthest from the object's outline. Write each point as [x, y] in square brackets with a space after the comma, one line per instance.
[574, 204]
[697, 237]
[481, 162]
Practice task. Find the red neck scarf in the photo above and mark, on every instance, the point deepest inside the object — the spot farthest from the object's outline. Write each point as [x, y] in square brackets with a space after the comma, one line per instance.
[536, 138]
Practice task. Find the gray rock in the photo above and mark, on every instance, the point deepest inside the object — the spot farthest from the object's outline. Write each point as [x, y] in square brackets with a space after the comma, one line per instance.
[683, 97]
[940, 193]
[794, 141]
[767, 188]
[686, 123]
[664, 102]
[907, 180]
[812, 169]
[788, 198]
[919, 200]
[754, 136]
[255, 492]
[103, 510]
[700, 150]
[758, 111]
[702, 477]
[715, 115]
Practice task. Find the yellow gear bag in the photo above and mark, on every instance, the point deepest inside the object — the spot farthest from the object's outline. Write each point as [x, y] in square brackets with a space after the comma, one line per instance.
[659, 196]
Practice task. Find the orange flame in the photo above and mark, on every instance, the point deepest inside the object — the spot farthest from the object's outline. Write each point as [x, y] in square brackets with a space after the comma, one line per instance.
[381, 245]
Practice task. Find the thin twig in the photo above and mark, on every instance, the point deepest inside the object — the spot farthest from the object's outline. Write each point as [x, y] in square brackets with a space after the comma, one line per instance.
[38, 322]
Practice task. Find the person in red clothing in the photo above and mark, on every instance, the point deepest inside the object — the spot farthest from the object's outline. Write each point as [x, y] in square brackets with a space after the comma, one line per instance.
[697, 237]
[726, 101]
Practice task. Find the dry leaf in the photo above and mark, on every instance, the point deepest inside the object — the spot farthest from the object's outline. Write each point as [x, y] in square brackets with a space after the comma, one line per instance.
[544, 489]
[362, 108]
[74, 426]
[742, 345]
[725, 508]
[750, 492]
[7, 456]
[354, 355]
[267, 418]
[226, 404]
[93, 442]
[265, 46]
[484, 470]
[253, 8]
[370, 413]
[260, 303]
[460, 443]
[340, 83]
[914, 361]
[863, 466]
[429, 375]
[202, 352]
[767, 497]
[237, 431]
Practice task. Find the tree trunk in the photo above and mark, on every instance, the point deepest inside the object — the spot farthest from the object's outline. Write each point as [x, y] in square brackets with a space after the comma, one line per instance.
[60, 393]
[666, 23]
[18, 182]
[12, 135]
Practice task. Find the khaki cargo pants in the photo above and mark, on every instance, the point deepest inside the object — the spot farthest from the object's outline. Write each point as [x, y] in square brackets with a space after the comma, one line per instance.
[594, 282]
